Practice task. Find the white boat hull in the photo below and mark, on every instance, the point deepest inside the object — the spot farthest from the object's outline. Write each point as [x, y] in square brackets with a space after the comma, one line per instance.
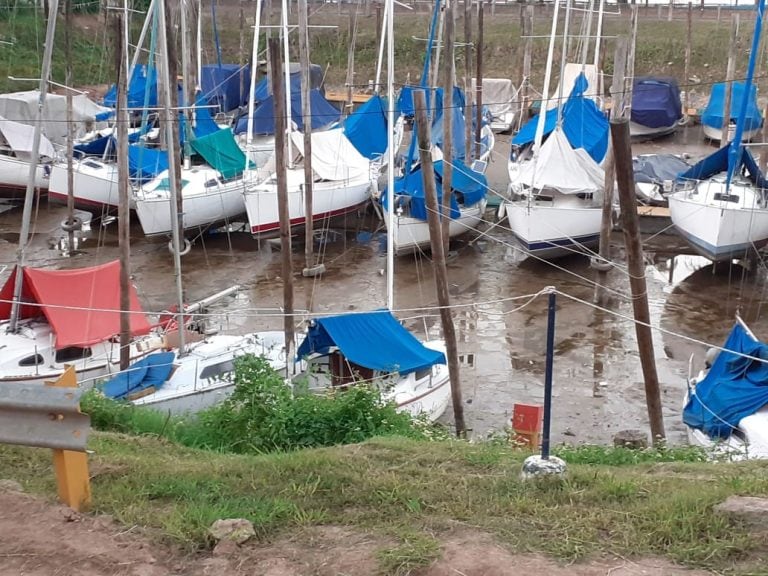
[426, 398]
[716, 228]
[640, 132]
[94, 184]
[329, 199]
[553, 229]
[14, 174]
[715, 134]
[412, 234]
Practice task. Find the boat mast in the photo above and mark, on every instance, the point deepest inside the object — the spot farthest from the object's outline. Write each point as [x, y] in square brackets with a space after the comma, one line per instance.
[389, 17]
[252, 87]
[173, 144]
[547, 79]
[380, 61]
[563, 60]
[29, 196]
[287, 68]
[186, 88]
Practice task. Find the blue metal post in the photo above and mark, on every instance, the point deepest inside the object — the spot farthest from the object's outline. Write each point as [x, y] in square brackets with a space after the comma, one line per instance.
[548, 376]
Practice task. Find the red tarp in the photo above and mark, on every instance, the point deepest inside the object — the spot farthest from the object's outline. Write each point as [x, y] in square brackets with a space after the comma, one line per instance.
[82, 305]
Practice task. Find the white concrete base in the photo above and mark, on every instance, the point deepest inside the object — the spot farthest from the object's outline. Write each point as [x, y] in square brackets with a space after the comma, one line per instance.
[537, 467]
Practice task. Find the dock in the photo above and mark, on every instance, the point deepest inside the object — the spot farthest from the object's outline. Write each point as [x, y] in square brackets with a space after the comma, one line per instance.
[655, 220]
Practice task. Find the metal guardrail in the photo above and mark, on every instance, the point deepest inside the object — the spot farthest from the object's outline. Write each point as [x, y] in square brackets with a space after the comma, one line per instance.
[43, 416]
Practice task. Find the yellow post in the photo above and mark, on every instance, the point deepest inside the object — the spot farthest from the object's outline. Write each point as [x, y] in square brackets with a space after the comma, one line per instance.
[72, 479]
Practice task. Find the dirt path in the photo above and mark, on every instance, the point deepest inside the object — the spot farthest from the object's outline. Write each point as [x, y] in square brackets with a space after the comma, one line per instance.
[39, 539]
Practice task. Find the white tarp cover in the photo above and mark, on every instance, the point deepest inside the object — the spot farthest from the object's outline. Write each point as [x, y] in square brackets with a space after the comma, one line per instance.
[572, 71]
[22, 107]
[498, 95]
[561, 167]
[334, 157]
[20, 137]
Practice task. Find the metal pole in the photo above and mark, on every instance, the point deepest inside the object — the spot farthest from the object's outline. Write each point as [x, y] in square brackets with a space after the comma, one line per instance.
[551, 310]
[389, 15]
[254, 68]
[729, 73]
[625, 178]
[70, 126]
[29, 196]
[307, 118]
[479, 79]
[282, 191]
[448, 124]
[438, 257]
[468, 80]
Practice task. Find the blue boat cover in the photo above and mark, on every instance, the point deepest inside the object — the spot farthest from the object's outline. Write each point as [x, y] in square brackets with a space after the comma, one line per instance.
[405, 99]
[470, 184]
[374, 340]
[584, 124]
[323, 113]
[146, 163]
[262, 90]
[366, 127]
[221, 85]
[656, 102]
[151, 371]
[142, 79]
[713, 113]
[95, 147]
[735, 387]
[438, 132]
[718, 162]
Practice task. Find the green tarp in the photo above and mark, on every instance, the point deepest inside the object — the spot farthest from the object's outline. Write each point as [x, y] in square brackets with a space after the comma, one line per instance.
[222, 152]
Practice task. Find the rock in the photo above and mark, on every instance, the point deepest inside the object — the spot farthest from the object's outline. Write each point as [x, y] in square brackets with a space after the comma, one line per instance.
[538, 467]
[10, 486]
[68, 514]
[238, 530]
[631, 439]
[750, 509]
[225, 548]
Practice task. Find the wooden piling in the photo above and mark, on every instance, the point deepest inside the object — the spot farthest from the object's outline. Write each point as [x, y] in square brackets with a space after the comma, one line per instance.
[730, 71]
[278, 99]
[636, 270]
[438, 258]
[527, 30]
[670, 11]
[687, 74]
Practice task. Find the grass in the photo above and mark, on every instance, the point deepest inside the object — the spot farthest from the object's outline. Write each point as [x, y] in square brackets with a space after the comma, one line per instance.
[412, 491]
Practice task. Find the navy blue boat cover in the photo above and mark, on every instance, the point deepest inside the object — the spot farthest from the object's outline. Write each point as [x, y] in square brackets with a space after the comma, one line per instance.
[713, 113]
[262, 90]
[584, 124]
[221, 85]
[656, 102]
[734, 388]
[323, 113]
[374, 340]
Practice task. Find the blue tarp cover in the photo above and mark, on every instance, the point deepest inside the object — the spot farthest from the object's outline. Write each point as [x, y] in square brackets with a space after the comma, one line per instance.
[323, 113]
[718, 162]
[734, 388]
[374, 340]
[146, 163]
[405, 99]
[713, 113]
[263, 90]
[152, 370]
[656, 102]
[141, 77]
[584, 124]
[221, 85]
[458, 126]
[366, 127]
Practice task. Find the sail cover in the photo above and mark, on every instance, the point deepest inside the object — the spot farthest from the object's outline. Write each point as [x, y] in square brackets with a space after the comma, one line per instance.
[656, 102]
[323, 113]
[561, 167]
[333, 155]
[221, 151]
[366, 127]
[718, 162]
[81, 305]
[263, 89]
[735, 387]
[374, 340]
[499, 94]
[20, 136]
[593, 89]
[713, 113]
[225, 86]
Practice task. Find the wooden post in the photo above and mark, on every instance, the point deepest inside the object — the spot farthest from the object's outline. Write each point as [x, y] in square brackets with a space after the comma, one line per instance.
[479, 79]
[658, 12]
[350, 58]
[764, 149]
[70, 128]
[173, 74]
[729, 75]
[438, 257]
[278, 97]
[123, 209]
[629, 70]
[72, 479]
[636, 268]
[671, 8]
[527, 30]
[468, 81]
[378, 27]
[687, 74]
[449, 74]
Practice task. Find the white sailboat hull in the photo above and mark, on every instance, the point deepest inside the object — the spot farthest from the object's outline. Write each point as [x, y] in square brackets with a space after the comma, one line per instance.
[715, 134]
[552, 229]
[412, 234]
[640, 132]
[94, 184]
[426, 397]
[720, 229]
[329, 199]
[14, 173]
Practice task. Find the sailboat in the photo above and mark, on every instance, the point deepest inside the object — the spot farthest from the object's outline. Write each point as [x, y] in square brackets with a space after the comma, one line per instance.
[15, 151]
[719, 205]
[555, 189]
[656, 107]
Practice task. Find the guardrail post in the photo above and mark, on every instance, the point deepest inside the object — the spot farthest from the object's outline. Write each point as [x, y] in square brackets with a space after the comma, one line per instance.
[72, 479]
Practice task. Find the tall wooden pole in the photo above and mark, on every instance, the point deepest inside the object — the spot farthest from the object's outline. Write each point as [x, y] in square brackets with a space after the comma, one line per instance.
[629, 70]
[729, 75]
[448, 112]
[527, 30]
[123, 210]
[636, 268]
[276, 65]
[479, 81]
[687, 74]
[438, 257]
[468, 80]
[187, 87]
[351, 57]
[173, 75]
[70, 128]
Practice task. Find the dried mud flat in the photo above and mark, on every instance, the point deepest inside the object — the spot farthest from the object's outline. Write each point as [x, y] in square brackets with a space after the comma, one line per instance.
[40, 539]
